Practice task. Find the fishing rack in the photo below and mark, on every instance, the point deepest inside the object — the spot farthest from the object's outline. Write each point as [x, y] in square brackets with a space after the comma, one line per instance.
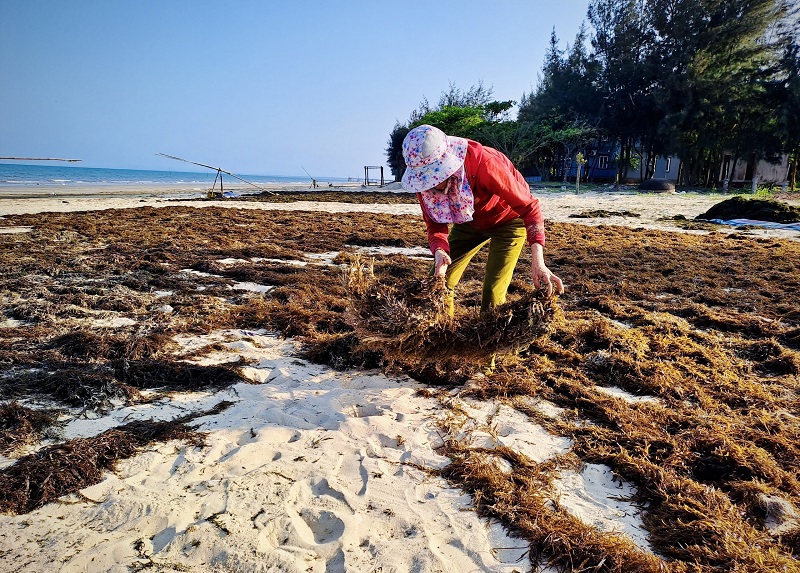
[211, 193]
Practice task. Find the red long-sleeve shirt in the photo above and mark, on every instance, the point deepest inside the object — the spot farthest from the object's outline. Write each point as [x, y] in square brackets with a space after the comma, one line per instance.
[501, 195]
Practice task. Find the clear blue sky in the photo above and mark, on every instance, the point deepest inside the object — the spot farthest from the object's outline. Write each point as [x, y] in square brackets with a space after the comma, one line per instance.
[256, 87]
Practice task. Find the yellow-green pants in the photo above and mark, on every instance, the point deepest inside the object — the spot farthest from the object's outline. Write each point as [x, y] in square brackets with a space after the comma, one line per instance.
[505, 246]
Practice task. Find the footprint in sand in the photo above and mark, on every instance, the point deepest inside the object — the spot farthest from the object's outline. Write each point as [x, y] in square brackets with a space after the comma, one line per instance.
[247, 437]
[323, 487]
[161, 539]
[365, 410]
[324, 526]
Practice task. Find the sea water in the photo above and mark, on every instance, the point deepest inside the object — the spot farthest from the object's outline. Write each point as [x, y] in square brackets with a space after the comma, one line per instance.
[24, 175]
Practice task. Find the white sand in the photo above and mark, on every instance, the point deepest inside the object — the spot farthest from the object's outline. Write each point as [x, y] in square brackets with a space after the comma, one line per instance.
[310, 469]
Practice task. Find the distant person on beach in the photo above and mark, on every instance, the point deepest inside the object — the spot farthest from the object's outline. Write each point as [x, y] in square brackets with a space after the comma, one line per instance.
[478, 191]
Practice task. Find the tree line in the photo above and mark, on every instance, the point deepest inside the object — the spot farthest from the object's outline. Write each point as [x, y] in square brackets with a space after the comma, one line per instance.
[703, 80]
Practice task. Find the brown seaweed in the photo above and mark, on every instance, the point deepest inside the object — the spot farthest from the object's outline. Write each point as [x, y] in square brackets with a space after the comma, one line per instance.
[705, 325]
[65, 468]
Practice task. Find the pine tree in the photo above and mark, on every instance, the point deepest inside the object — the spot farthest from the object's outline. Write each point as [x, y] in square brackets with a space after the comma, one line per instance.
[394, 151]
[789, 108]
[716, 59]
[623, 44]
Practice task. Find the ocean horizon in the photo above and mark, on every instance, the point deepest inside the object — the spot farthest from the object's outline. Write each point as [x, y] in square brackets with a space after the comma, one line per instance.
[25, 175]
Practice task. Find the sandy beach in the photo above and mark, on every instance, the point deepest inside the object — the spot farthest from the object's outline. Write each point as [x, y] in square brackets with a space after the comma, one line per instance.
[311, 468]
[626, 208]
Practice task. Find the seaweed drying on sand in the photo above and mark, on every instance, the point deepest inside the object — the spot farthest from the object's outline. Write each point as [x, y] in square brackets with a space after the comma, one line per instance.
[705, 327]
[739, 207]
[338, 196]
[58, 470]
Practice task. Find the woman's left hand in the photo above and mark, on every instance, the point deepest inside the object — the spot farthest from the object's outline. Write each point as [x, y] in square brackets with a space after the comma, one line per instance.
[542, 276]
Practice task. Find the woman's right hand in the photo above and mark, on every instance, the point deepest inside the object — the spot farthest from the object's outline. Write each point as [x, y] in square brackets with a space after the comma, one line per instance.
[441, 262]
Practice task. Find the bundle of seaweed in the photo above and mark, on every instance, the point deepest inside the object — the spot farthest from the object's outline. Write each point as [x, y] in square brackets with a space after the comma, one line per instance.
[55, 471]
[411, 321]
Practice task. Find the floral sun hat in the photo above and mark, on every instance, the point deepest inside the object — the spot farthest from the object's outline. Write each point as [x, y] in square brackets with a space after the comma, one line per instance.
[431, 157]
